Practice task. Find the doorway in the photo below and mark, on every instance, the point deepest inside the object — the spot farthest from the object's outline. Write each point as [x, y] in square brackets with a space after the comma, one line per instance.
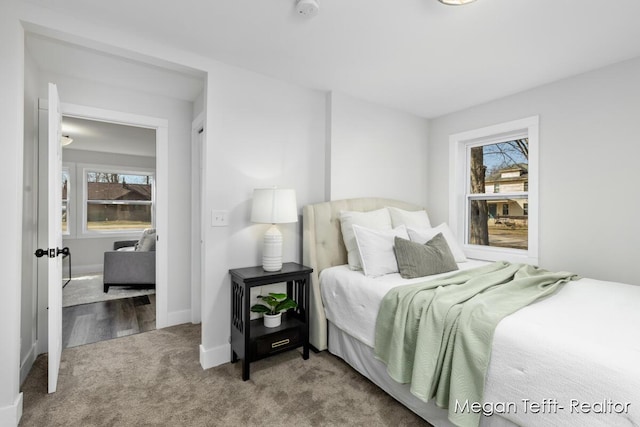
[102, 85]
[83, 228]
[108, 201]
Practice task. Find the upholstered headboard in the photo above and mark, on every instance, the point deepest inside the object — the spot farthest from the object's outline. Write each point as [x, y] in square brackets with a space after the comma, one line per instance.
[322, 247]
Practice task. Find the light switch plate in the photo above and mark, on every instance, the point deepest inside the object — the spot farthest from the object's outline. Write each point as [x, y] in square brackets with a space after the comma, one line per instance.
[219, 218]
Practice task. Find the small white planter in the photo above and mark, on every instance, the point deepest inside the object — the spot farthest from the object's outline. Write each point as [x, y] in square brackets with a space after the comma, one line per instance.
[272, 320]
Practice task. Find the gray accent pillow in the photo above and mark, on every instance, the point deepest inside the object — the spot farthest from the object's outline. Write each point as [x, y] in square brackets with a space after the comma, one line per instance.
[416, 260]
[147, 241]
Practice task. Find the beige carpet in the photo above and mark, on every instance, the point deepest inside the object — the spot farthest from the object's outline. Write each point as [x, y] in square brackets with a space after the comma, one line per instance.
[155, 379]
[88, 288]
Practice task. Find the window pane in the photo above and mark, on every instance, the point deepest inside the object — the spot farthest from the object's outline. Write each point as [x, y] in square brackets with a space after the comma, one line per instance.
[118, 201]
[65, 200]
[499, 168]
[120, 187]
[106, 216]
[65, 209]
[499, 223]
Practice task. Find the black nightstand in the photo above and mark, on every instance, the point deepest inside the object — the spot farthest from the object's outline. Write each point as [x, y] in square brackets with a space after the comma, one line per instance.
[250, 340]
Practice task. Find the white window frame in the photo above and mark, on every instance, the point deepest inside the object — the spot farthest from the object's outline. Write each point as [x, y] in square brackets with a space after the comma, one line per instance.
[459, 179]
[86, 168]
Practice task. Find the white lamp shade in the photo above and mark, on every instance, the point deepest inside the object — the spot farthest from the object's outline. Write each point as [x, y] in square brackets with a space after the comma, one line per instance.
[274, 206]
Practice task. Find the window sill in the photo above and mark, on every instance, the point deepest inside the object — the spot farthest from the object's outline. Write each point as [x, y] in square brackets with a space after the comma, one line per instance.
[487, 253]
[133, 234]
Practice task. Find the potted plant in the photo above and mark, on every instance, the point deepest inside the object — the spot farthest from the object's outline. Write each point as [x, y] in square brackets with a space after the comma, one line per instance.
[276, 304]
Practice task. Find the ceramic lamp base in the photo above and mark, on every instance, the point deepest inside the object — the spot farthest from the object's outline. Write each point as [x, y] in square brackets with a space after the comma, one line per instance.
[272, 250]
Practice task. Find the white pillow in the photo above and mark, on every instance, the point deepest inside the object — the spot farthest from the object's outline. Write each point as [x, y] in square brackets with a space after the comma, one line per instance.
[377, 220]
[424, 235]
[417, 220]
[376, 249]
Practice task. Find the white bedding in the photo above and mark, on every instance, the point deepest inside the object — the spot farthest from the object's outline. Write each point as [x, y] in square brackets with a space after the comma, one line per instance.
[351, 300]
[580, 346]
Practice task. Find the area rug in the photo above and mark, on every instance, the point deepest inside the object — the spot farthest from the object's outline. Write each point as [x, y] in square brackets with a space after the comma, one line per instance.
[155, 379]
[88, 288]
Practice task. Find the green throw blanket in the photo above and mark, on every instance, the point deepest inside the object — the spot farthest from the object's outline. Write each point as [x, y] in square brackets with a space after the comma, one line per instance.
[437, 335]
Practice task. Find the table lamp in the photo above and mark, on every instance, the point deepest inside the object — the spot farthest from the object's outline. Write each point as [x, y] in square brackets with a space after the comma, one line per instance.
[273, 206]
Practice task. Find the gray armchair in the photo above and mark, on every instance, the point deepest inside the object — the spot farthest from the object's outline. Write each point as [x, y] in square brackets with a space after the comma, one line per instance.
[129, 267]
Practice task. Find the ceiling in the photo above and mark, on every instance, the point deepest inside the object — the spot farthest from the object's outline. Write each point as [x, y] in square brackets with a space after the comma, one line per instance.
[91, 135]
[414, 55]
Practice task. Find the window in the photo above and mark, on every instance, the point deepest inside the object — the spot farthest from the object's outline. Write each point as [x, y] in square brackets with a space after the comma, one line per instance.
[117, 200]
[490, 161]
[508, 153]
[66, 193]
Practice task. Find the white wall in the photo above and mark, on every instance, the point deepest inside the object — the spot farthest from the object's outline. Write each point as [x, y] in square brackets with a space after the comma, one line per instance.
[11, 123]
[589, 151]
[88, 253]
[198, 105]
[376, 151]
[260, 132]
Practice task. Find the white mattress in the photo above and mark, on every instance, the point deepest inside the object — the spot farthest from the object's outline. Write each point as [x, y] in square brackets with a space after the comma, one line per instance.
[579, 346]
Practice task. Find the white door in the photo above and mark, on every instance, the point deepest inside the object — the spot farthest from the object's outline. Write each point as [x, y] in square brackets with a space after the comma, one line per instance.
[55, 237]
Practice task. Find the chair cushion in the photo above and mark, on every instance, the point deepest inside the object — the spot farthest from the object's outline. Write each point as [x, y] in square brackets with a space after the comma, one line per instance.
[147, 241]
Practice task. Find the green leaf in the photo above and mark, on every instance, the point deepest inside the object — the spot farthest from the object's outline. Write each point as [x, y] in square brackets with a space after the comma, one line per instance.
[260, 308]
[269, 300]
[278, 302]
[286, 305]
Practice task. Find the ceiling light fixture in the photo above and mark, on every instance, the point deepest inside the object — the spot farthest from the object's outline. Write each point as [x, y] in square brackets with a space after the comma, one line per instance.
[65, 140]
[307, 8]
[455, 2]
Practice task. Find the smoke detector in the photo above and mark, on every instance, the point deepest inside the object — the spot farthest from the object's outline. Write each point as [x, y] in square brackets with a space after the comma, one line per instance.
[307, 8]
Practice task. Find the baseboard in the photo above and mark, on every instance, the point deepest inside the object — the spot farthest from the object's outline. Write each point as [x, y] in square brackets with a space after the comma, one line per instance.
[178, 317]
[27, 362]
[214, 356]
[85, 269]
[10, 415]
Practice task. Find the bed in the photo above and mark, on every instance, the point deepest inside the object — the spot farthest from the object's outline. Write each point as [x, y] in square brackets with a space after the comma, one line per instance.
[570, 359]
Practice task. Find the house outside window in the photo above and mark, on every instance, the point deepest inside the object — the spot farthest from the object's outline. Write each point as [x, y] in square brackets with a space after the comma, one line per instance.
[117, 201]
[492, 224]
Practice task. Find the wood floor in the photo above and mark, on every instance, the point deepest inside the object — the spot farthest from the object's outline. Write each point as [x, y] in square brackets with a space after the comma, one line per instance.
[99, 321]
